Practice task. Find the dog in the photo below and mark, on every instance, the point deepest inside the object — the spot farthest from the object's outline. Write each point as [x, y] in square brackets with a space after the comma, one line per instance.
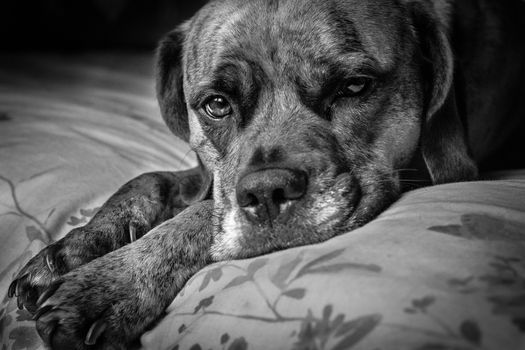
[304, 115]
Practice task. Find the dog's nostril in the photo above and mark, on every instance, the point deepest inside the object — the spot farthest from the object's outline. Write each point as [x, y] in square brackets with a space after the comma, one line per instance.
[246, 199]
[251, 200]
[296, 188]
[278, 196]
[265, 194]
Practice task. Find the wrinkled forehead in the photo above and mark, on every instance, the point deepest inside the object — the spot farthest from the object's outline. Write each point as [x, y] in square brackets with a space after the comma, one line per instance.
[283, 34]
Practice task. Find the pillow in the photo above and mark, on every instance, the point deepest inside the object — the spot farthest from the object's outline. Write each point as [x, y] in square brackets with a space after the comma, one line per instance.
[443, 268]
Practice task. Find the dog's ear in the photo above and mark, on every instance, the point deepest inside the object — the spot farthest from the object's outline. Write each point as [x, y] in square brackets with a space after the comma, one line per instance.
[197, 185]
[169, 81]
[443, 141]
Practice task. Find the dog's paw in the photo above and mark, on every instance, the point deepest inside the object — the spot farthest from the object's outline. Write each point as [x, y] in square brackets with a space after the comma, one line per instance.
[77, 248]
[37, 275]
[100, 305]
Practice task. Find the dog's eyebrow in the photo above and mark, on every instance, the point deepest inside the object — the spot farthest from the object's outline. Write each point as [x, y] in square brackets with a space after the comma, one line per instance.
[235, 78]
[331, 73]
[336, 69]
[359, 62]
[224, 80]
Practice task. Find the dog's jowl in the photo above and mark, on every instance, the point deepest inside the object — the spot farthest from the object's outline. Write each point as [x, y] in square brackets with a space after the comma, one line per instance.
[304, 115]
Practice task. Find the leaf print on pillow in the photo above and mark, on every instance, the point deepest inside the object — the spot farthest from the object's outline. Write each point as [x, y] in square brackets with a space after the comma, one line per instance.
[33, 233]
[284, 271]
[454, 230]
[470, 331]
[238, 344]
[483, 226]
[214, 275]
[316, 333]
[313, 266]
[356, 330]
[256, 265]
[342, 266]
[203, 304]
[237, 281]
[320, 260]
[225, 338]
[297, 293]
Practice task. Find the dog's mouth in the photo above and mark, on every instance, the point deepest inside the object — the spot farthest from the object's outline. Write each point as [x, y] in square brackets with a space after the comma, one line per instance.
[328, 208]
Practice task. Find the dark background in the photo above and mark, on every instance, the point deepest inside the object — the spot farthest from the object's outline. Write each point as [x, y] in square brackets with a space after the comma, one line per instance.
[75, 25]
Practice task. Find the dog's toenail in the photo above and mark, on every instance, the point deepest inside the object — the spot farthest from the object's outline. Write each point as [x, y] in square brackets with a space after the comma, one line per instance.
[132, 233]
[48, 292]
[95, 331]
[42, 311]
[50, 263]
[12, 288]
[20, 284]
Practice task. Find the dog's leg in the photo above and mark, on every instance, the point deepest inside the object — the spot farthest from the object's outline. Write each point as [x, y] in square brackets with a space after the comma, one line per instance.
[109, 302]
[133, 210]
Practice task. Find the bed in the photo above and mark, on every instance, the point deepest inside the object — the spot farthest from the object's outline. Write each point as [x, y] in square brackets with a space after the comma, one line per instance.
[443, 268]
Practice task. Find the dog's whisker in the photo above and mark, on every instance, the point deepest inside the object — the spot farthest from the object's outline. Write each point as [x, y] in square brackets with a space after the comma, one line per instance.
[414, 181]
[406, 169]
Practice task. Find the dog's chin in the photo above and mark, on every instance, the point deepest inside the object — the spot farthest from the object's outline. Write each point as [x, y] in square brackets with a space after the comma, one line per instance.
[339, 208]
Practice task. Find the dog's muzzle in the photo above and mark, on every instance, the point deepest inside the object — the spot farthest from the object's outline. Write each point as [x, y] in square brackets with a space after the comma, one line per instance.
[270, 194]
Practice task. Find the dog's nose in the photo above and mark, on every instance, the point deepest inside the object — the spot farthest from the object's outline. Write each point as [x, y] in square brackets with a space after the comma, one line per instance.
[265, 194]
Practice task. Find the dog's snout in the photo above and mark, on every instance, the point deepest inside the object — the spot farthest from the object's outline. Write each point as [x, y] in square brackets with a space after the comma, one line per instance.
[265, 194]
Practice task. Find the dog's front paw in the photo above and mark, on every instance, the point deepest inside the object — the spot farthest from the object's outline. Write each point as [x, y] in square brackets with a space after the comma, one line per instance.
[53, 261]
[37, 275]
[100, 305]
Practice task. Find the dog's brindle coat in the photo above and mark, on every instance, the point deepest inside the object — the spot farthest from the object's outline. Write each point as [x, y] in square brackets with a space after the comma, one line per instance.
[302, 113]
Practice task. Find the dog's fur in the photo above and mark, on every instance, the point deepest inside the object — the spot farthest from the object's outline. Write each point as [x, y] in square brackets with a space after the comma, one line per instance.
[431, 68]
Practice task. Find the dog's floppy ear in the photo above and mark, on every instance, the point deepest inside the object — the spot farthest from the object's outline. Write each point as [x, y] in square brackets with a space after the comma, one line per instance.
[443, 142]
[196, 185]
[169, 81]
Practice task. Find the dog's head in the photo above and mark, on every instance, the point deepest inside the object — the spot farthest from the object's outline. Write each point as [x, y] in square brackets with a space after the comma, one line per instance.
[303, 112]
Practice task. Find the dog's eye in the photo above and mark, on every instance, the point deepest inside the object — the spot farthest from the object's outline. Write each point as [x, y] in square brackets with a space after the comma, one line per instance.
[218, 107]
[355, 87]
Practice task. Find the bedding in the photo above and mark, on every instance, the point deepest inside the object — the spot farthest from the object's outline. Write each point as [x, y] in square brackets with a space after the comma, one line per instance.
[443, 268]
[73, 129]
